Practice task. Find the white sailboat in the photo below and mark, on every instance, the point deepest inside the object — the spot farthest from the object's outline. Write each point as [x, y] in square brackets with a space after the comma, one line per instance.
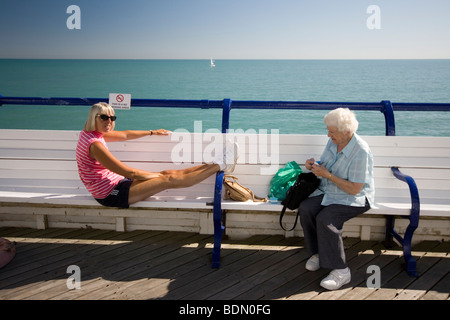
[211, 63]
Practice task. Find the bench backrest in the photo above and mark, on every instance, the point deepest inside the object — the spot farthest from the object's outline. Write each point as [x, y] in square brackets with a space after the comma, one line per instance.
[426, 159]
[44, 161]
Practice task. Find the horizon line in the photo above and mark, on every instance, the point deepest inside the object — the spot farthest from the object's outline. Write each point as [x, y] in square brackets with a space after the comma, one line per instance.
[228, 59]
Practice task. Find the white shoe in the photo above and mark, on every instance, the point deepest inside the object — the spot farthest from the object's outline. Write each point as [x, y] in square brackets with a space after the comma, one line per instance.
[313, 263]
[231, 155]
[336, 279]
[218, 159]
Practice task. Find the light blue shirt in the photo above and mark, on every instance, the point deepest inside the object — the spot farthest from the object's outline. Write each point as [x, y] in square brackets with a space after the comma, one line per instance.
[354, 163]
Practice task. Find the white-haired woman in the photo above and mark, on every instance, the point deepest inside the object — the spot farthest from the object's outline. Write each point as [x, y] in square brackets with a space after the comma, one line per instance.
[345, 191]
[114, 184]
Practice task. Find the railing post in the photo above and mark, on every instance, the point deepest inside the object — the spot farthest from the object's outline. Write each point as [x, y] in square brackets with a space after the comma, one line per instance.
[226, 115]
[388, 111]
[217, 209]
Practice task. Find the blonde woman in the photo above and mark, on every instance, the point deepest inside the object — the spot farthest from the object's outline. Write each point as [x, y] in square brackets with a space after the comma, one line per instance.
[114, 184]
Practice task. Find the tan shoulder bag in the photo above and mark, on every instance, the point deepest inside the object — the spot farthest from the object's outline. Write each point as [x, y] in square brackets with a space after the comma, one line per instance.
[236, 191]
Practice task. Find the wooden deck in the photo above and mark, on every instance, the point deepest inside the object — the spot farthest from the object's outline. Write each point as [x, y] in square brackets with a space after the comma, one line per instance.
[176, 266]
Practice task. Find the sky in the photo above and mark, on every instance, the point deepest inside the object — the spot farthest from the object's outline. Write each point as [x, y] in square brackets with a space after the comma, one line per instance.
[225, 29]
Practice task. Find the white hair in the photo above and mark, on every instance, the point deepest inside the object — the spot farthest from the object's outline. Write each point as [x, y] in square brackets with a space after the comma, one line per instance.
[343, 119]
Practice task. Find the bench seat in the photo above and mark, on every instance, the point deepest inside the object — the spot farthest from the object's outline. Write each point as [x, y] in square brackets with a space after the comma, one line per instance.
[381, 208]
[87, 200]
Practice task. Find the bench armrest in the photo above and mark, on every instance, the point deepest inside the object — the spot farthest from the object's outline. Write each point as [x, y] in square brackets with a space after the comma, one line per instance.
[410, 262]
[415, 200]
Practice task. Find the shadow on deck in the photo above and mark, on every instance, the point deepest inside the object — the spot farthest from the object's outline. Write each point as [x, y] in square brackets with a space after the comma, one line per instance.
[175, 265]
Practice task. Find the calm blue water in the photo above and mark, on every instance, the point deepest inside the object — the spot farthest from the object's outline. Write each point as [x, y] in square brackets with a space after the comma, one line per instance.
[288, 80]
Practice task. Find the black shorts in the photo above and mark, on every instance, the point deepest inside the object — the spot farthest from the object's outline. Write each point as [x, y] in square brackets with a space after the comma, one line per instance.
[119, 196]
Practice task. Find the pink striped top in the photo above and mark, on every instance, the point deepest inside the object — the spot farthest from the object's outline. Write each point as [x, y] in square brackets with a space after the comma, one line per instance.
[98, 180]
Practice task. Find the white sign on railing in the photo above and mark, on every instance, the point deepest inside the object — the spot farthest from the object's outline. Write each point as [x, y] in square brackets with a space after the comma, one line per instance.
[120, 100]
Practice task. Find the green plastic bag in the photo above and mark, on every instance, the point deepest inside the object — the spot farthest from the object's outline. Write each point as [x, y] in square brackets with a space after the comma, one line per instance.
[283, 179]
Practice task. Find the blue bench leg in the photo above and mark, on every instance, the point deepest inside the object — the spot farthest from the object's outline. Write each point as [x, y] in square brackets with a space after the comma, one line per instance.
[217, 212]
[218, 231]
[409, 260]
[217, 218]
[405, 241]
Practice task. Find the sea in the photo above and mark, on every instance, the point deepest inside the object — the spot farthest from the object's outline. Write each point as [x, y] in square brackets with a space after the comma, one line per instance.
[419, 81]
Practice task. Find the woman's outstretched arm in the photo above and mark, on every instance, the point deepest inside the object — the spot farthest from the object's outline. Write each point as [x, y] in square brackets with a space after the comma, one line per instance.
[132, 134]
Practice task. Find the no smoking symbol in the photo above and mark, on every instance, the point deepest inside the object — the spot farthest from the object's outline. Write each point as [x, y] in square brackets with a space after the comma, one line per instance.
[120, 98]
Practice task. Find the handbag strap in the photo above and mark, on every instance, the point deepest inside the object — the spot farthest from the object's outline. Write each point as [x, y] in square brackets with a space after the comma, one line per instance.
[231, 177]
[258, 199]
[281, 219]
[282, 214]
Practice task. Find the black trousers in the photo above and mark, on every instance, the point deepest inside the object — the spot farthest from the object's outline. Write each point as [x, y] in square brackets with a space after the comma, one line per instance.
[322, 229]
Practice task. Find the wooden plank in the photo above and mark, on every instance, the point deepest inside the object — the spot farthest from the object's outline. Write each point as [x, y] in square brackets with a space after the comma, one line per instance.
[289, 139]
[301, 278]
[407, 141]
[183, 274]
[246, 267]
[79, 252]
[284, 259]
[359, 289]
[17, 134]
[137, 288]
[162, 276]
[110, 263]
[42, 256]
[164, 265]
[426, 282]
[440, 291]
[394, 278]
[223, 278]
[358, 267]
[125, 269]
[311, 289]
[423, 284]
[32, 244]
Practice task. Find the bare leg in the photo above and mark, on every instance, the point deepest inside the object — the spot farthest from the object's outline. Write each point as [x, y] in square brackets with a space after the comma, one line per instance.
[170, 179]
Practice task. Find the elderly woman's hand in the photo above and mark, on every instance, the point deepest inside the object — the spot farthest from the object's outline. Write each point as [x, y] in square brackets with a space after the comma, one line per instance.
[320, 171]
[309, 163]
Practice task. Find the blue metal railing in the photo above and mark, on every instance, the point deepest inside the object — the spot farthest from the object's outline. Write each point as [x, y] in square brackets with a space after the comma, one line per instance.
[386, 107]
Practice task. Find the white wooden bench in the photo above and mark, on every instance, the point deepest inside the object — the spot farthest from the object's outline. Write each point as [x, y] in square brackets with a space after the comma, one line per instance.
[425, 159]
[39, 168]
[40, 187]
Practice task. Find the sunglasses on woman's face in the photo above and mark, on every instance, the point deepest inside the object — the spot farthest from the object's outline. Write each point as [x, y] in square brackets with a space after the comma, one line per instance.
[104, 117]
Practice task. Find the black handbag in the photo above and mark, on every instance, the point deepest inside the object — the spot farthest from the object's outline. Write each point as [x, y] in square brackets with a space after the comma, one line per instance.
[305, 184]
